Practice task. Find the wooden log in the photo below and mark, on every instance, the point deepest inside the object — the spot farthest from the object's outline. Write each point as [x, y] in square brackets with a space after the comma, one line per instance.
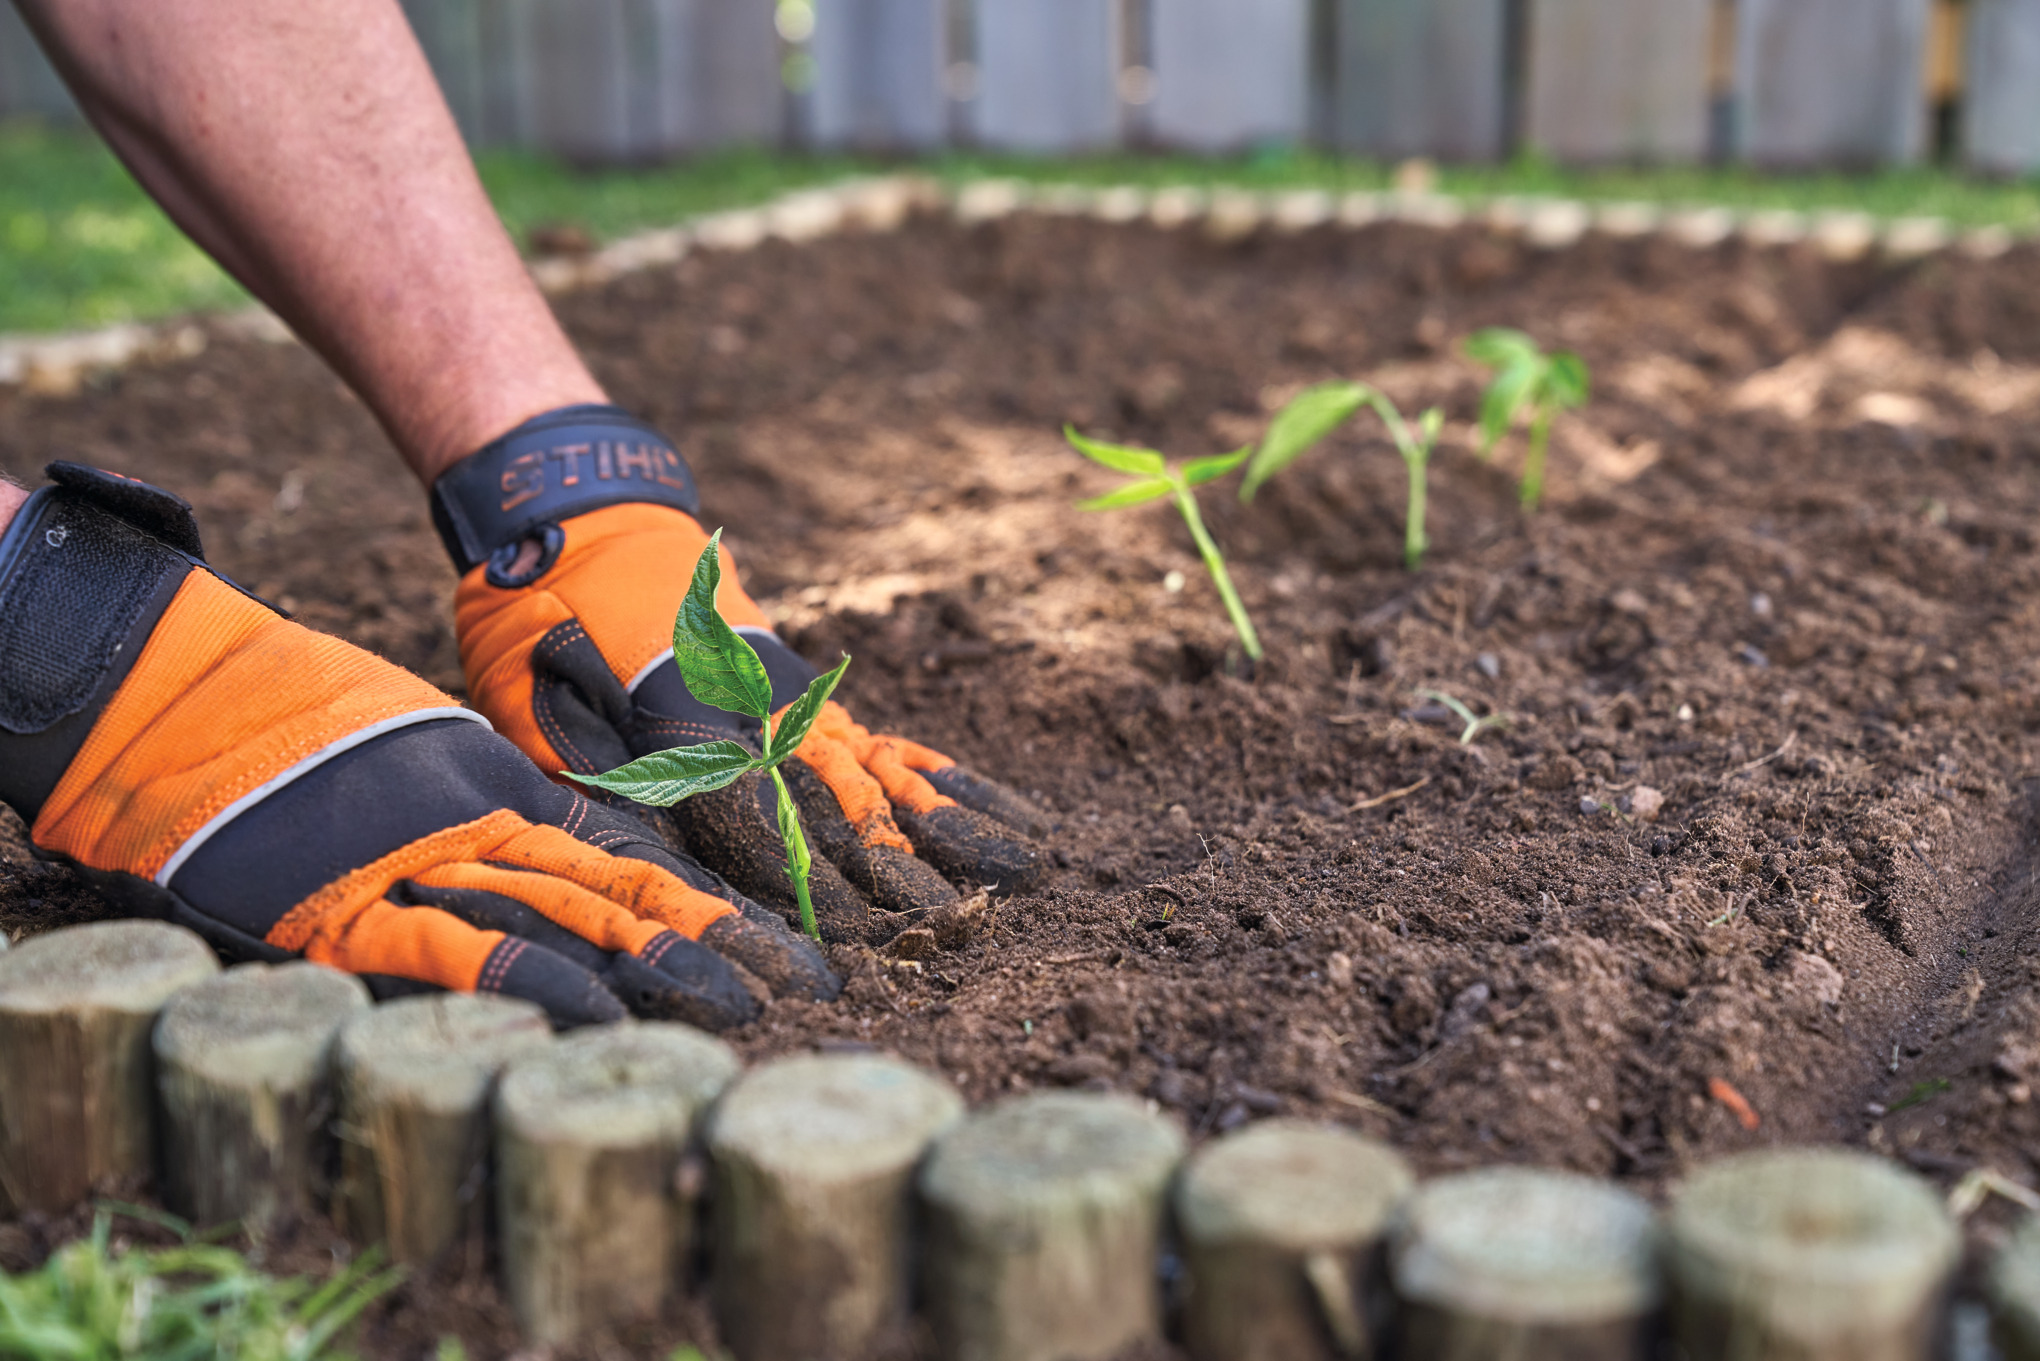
[1525, 1263]
[1229, 75]
[1831, 82]
[1048, 73]
[2013, 1288]
[1421, 78]
[77, 1081]
[814, 1160]
[595, 1205]
[243, 1070]
[878, 74]
[1282, 1228]
[414, 1077]
[1811, 1254]
[1044, 1218]
[2001, 94]
[1619, 80]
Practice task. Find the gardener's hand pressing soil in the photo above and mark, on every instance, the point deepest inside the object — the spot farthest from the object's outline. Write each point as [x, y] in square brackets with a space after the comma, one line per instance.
[200, 758]
[575, 534]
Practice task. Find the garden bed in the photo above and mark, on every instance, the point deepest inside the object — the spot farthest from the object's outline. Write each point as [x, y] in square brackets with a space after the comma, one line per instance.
[1786, 579]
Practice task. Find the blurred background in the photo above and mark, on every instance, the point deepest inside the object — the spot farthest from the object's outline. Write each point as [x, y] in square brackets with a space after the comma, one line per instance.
[601, 116]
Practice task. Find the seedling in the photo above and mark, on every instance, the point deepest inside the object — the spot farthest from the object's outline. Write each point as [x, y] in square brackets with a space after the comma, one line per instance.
[1316, 412]
[1526, 379]
[1156, 479]
[1474, 725]
[723, 670]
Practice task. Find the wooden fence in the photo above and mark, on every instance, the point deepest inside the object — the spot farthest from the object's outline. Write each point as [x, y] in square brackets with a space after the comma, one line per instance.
[1785, 83]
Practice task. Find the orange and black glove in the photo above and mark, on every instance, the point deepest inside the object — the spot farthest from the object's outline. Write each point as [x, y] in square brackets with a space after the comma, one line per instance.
[199, 757]
[576, 538]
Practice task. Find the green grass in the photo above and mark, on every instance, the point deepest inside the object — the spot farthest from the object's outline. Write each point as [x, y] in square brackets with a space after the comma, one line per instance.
[81, 245]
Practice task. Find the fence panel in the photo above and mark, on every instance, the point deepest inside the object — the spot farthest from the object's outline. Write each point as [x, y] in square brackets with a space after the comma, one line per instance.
[450, 31]
[878, 73]
[1420, 78]
[1831, 82]
[1619, 80]
[28, 85]
[1230, 73]
[2001, 116]
[1048, 74]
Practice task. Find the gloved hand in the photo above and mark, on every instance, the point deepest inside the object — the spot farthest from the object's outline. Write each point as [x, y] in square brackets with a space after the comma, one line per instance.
[576, 539]
[200, 758]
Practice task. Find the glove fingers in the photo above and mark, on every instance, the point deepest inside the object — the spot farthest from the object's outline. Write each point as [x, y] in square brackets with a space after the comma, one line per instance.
[670, 980]
[989, 797]
[735, 832]
[963, 843]
[580, 912]
[640, 887]
[433, 946]
[758, 938]
[850, 822]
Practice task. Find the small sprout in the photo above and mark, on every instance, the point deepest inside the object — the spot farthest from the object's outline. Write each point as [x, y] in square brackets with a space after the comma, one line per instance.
[1475, 726]
[1525, 378]
[1921, 1094]
[1316, 412]
[1154, 479]
[723, 670]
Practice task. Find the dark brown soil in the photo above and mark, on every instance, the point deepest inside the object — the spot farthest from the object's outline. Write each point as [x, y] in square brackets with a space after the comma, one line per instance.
[1787, 578]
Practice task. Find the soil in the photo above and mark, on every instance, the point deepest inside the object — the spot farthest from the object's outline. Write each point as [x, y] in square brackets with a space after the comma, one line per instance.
[1787, 579]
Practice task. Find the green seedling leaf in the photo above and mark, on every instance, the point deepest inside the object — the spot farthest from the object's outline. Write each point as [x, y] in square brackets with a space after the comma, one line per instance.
[1120, 458]
[1567, 379]
[1429, 426]
[1475, 725]
[664, 778]
[1307, 418]
[1504, 397]
[719, 667]
[1198, 471]
[1499, 347]
[1133, 494]
[800, 715]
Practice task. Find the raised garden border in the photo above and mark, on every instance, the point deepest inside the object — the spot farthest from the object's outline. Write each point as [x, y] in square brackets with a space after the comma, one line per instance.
[845, 1197]
[60, 363]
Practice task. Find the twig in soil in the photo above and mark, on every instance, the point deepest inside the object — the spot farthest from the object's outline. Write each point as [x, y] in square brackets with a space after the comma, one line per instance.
[1346, 720]
[1057, 961]
[1168, 892]
[1748, 766]
[1390, 797]
[1982, 1181]
[1361, 1103]
[1720, 1089]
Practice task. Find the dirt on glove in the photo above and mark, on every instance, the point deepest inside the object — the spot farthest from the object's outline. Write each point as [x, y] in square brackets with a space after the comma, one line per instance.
[1761, 815]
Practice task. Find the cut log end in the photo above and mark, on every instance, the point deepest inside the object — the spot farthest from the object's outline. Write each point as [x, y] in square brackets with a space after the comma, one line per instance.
[243, 1062]
[1281, 1226]
[1044, 1220]
[2014, 1290]
[1817, 1253]
[595, 1202]
[814, 1163]
[1527, 1258]
[77, 1085]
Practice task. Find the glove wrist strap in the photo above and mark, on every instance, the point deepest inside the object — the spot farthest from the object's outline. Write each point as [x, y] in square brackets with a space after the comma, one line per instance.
[558, 464]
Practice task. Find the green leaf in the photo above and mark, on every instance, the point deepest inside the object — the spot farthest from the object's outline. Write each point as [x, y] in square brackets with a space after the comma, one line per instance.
[801, 715]
[1567, 379]
[1505, 396]
[719, 667]
[1133, 494]
[798, 862]
[1429, 426]
[1307, 418]
[1500, 347]
[1121, 458]
[1199, 471]
[664, 778]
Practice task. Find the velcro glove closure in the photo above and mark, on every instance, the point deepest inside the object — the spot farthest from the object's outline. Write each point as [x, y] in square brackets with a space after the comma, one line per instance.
[562, 463]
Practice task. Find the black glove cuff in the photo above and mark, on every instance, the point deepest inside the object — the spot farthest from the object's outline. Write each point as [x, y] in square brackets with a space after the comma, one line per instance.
[564, 462]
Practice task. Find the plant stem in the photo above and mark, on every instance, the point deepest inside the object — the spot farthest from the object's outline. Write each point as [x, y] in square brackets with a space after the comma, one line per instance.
[1215, 564]
[798, 861]
[1532, 486]
[1414, 539]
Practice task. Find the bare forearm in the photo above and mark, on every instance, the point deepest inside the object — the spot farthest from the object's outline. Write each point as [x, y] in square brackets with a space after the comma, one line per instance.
[307, 148]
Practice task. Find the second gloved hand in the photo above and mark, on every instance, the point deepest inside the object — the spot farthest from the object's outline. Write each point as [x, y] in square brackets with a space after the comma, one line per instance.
[577, 540]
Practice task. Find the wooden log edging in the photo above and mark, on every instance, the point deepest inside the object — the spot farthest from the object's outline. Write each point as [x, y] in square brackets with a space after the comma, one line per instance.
[59, 363]
[1036, 1227]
